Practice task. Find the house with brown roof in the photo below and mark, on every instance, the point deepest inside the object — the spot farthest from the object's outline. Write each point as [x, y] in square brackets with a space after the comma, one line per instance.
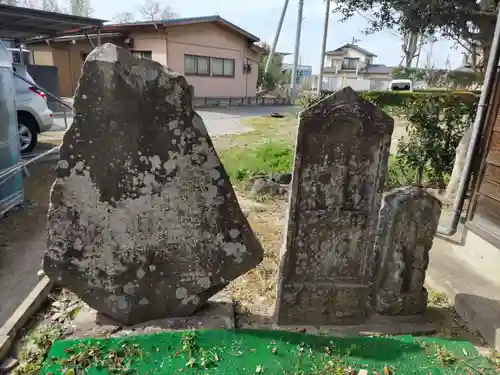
[218, 58]
[353, 62]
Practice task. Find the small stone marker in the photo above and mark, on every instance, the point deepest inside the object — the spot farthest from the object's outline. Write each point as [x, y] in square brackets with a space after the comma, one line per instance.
[408, 223]
[143, 222]
[340, 165]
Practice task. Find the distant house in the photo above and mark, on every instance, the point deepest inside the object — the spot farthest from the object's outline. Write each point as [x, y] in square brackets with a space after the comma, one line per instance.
[302, 70]
[353, 62]
[218, 58]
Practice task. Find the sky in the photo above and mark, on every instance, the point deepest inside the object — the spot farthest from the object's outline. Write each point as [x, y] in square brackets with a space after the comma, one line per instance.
[260, 17]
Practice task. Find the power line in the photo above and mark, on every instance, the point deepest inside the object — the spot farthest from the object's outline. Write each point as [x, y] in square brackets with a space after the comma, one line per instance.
[391, 32]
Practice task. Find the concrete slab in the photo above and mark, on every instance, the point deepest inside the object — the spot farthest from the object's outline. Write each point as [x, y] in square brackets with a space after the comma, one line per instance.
[218, 313]
[23, 313]
[376, 326]
[455, 269]
[6, 342]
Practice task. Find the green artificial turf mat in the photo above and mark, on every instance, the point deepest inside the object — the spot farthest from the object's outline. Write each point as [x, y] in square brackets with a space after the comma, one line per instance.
[242, 352]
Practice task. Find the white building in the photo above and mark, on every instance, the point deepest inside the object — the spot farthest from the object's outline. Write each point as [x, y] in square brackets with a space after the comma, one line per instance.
[354, 65]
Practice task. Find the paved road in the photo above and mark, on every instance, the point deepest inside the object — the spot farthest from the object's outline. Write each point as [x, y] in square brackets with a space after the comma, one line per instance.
[219, 121]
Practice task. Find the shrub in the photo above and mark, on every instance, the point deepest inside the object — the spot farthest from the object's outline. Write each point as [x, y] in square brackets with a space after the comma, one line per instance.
[436, 121]
[308, 99]
[436, 124]
[399, 99]
[266, 158]
[401, 174]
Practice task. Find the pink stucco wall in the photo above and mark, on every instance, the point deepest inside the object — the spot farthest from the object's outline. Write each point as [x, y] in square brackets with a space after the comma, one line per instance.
[151, 41]
[205, 40]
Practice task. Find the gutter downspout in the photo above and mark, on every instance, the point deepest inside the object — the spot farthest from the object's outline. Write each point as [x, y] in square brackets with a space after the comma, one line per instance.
[479, 121]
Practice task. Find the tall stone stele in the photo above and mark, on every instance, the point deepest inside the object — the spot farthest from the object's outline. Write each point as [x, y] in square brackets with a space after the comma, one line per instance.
[143, 221]
[327, 262]
[408, 223]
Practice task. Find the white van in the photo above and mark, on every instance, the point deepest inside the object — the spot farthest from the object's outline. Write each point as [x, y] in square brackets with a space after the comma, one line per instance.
[401, 85]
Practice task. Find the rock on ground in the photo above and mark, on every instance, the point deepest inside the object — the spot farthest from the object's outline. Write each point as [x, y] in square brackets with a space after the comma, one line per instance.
[143, 223]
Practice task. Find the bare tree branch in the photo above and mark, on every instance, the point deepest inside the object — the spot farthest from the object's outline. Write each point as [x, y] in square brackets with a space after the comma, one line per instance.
[33, 4]
[462, 44]
[123, 17]
[151, 10]
[80, 8]
[50, 6]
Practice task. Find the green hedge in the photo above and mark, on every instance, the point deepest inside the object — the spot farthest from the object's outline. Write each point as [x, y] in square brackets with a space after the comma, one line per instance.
[386, 98]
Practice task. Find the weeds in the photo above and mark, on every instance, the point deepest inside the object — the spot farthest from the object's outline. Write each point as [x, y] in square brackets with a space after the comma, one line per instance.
[437, 298]
[263, 159]
[84, 356]
[197, 356]
[494, 358]
[328, 363]
[189, 343]
[35, 348]
[444, 356]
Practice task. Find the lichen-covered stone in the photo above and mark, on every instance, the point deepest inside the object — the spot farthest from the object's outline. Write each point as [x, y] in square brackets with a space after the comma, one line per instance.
[143, 222]
[327, 261]
[408, 223]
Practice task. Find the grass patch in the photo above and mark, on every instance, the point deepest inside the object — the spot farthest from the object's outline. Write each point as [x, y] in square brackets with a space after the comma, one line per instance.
[270, 157]
[264, 129]
[267, 149]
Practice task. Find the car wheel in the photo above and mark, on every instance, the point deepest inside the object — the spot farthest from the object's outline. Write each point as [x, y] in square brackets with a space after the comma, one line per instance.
[28, 137]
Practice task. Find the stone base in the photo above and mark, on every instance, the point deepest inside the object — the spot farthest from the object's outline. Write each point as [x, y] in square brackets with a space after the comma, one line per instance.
[218, 313]
[376, 325]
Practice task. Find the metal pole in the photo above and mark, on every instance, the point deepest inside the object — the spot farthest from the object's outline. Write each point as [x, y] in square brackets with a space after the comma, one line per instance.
[479, 123]
[21, 57]
[90, 40]
[297, 51]
[323, 46]
[8, 173]
[276, 37]
[99, 37]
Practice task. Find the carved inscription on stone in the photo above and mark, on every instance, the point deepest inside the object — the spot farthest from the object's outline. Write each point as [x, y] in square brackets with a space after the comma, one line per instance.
[327, 260]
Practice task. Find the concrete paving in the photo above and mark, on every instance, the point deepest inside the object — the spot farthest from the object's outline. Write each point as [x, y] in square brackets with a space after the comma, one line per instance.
[219, 121]
[465, 268]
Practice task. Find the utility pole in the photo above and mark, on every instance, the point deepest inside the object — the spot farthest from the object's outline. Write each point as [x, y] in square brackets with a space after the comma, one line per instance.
[276, 37]
[323, 47]
[297, 51]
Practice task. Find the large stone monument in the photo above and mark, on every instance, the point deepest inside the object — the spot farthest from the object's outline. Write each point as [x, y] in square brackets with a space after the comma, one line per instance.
[143, 222]
[327, 261]
[408, 223]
